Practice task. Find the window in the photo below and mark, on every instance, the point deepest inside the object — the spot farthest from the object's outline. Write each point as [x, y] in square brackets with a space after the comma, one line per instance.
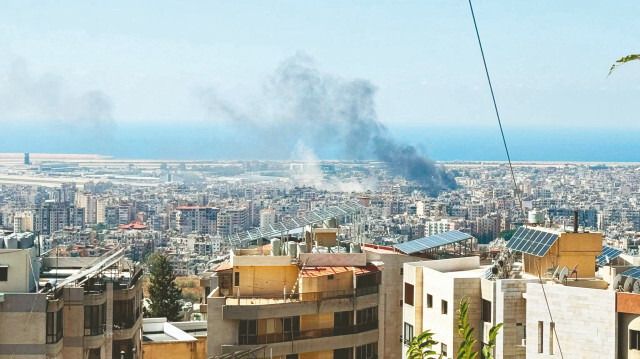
[540, 337]
[368, 351]
[4, 273]
[342, 322]
[552, 327]
[429, 301]
[486, 311]
[292, 356]
[237, 278]
[401, 271]
[123, 315]
[408, 333]
[445, 307]
[330, 277]
[248, 332]
[408, 293]
[401, 302]
[343, 353]
[634, 339]
[443, 349]
[367, 319]
[55, 325]
[290, 327]
[94, 319]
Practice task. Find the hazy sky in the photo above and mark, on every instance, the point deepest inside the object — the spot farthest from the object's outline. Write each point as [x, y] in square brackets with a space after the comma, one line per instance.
[144, 61]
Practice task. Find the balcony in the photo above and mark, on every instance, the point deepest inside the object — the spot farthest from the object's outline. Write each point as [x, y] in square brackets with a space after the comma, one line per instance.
[314, 333]
[312, 340]
[271, 306]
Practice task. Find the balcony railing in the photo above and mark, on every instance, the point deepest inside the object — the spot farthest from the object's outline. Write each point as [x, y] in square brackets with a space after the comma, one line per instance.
[271, 338]
[300, 297]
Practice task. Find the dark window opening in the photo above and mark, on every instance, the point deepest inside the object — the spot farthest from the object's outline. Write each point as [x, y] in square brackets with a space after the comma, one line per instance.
[94, 319]
[445, 307]
[237, 278]
[343, 353]
[248, 332]
[367, 319]
[55, 326]
[486, 311]
[368, 351]
[429, 301]
[4, 273]
[408, 333]
[634, 339]
[408, 293]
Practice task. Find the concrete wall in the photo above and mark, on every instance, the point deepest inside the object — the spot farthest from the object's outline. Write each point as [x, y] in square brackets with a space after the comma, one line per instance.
[220, 332]
[509, 308]
[21, 270]
[258, 280]
[178, 349]
[23, 331]
[389, 306]
[585, 321]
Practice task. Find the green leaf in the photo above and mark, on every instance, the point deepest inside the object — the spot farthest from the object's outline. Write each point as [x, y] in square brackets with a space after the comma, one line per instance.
[624, 60]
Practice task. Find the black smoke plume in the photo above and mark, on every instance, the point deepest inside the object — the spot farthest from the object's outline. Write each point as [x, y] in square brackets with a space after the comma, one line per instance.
[328, 112]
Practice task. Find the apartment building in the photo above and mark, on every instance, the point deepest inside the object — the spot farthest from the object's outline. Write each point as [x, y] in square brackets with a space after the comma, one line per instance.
[295, 304]
[543, 274]
[71, 307]
[197, 219]
[233, 220]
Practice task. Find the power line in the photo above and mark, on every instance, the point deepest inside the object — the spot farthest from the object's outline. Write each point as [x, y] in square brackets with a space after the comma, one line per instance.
[515, 183]
[495, 106]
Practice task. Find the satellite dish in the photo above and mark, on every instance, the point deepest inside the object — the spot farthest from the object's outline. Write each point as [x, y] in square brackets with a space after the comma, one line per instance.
[564, 273]
[556, 272]
[617, 281]
[628, 284]
[636, 287]
[494, 270]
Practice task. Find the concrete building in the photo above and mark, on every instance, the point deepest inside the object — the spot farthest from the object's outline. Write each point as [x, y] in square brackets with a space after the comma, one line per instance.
[298, 304]
[512, 292]
[81, 307]
[161, 339]
[267, 217]
[197, 219]
[23, 222]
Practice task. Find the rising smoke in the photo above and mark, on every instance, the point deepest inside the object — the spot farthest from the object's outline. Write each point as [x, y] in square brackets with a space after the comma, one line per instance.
[44, 98]
[323, 111]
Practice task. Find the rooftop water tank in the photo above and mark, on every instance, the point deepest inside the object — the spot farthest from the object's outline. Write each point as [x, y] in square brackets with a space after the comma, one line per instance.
[292, 248]
[10, 242]
[354, 248]
[25, 241]
[275, 246]
[535, 217]
[302, 248]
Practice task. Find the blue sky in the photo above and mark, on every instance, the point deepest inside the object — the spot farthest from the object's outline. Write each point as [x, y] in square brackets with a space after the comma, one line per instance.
[151, 59]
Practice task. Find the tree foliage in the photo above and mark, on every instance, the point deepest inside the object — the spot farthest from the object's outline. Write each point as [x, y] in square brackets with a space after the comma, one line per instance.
[164, 294]
[420, 346]
[623, 61]
[465, 330]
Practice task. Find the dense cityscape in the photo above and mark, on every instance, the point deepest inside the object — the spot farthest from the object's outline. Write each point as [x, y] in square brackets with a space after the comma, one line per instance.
[237, 233]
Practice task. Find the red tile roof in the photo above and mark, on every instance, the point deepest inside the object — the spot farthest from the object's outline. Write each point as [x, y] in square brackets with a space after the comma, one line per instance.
[226, 265]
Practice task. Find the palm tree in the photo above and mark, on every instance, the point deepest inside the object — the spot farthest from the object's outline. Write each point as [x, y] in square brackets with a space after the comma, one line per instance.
[624, 60]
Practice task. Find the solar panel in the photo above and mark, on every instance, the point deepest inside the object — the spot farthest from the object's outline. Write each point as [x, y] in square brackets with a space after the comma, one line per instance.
[532, 241]
[283, 227]
[633, 273]
[437, 240]
[608, 254]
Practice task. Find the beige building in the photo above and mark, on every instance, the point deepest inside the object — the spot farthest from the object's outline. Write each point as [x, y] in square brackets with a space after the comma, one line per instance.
[80, 307]
[284, 301]
[509, 290]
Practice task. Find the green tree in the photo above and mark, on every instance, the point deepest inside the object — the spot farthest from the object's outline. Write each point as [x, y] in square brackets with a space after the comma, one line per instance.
[507, 234]
[465, 330]
[152, 261]
[420, 346]
[624, 60]
[164, 294]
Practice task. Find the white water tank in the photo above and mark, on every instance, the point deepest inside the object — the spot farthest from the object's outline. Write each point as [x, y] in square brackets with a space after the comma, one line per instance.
[10, 242]
[355, 248]
[292, 248]
[535, 217]
[302, 248]
[26, 241]
[275, 246]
